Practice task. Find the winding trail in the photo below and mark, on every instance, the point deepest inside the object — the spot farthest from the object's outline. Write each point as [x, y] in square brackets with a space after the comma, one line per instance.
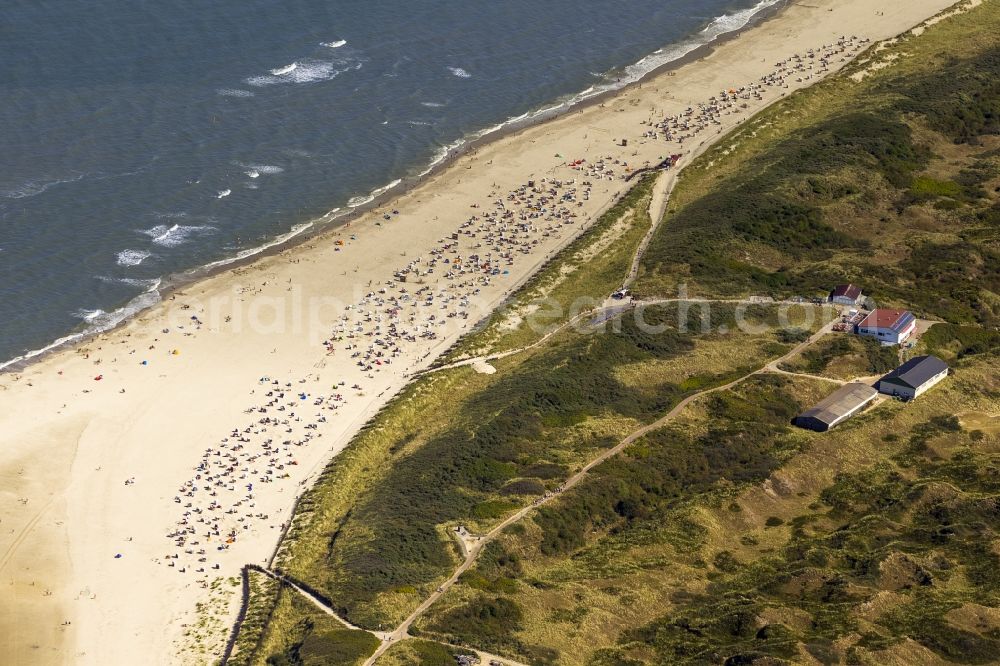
[479, 543]
[774, 370]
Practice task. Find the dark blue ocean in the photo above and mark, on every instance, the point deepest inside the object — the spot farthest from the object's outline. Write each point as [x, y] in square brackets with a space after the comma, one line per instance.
[142, 139]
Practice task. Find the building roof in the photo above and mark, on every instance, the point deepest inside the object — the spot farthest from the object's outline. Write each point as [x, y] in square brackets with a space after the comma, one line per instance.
[841, 403]
[917, 371]
[897, 320]
[851, 291]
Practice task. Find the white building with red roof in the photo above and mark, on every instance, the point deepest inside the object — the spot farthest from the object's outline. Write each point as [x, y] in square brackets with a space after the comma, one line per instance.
[890, 327]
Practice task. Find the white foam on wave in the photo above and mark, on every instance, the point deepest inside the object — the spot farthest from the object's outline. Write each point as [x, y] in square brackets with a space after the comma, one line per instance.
[234, 92]
[513, 120]
[258, 170]
[371, 196]
[243, 254]
[730, 22]
[174, 235]
[717, 27]
[132, 257]
[433, 105]
[144, 284]
[306, 71]
[99, 321]
[334, 45]
[459, 72]
[266, 169]
[223, 193]
[354, 202]
[383, 190]
[441, 155]
[89, 315]
[287, 69]
[33, 188]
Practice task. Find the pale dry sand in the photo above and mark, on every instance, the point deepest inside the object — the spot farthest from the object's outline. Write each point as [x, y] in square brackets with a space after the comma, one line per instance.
[91, 468]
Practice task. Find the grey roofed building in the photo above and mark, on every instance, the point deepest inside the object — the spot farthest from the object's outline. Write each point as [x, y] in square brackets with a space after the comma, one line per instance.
[839, 406]
[914, 377]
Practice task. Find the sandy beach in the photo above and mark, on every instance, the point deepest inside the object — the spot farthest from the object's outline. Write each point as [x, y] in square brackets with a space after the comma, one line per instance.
[143, 468]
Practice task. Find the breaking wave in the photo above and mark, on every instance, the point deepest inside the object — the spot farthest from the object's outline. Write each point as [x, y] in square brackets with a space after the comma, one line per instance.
[132, 257]
[174, 235]
[305, 71]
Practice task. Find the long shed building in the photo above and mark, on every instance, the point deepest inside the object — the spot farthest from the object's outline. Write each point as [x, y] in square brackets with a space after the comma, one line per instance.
[839, 406]
[914, 377]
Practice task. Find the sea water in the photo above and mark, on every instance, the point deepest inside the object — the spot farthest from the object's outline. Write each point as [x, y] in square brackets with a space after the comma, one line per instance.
[139, 140]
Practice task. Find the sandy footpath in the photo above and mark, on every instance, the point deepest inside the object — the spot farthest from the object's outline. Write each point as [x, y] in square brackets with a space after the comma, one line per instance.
[142, 467]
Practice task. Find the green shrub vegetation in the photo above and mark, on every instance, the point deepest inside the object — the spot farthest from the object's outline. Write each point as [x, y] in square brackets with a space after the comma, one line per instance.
[916, 522]
[264, 590]
[624, 502]
[668, 465]
[950, 340]
[852, 355]
[882, 531]
[421, 653]
[301, 635]
[496, 437]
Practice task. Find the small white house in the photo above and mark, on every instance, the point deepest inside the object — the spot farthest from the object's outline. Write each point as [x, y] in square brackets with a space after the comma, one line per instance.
[846, 294]
[914, 377]
[890, 327]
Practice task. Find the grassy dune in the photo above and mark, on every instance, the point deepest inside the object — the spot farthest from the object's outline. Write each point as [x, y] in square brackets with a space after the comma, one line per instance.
[467, 449]
[298, 634]
[730, 534]
[425, 653]
[845, 357]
